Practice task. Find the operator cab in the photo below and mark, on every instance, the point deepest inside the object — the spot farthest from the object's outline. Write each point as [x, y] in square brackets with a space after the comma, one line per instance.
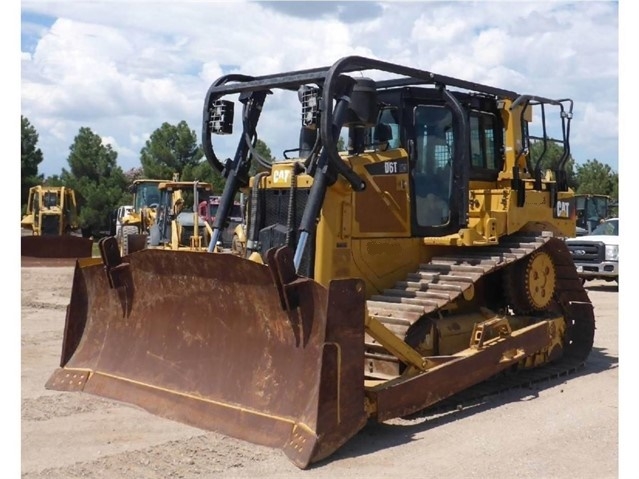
[147, 194]
[450, 142]
[50, 199]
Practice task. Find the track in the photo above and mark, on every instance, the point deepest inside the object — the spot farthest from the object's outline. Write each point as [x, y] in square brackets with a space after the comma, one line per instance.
[444, 280]
[500, 384]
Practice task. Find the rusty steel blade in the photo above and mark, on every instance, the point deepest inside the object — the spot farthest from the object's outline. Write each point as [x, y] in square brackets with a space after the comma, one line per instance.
[204, 339]
[63, 246]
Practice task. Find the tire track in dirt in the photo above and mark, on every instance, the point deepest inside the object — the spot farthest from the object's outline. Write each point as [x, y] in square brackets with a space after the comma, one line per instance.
[35, 304]
[47, 407]
[208, 455]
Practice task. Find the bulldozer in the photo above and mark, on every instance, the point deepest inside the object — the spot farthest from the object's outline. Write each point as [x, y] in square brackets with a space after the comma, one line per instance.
[377, 282]
[52, 218]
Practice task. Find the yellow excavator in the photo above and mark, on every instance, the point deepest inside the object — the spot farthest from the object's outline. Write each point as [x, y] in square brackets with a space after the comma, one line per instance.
[376, 282]
[52, 218]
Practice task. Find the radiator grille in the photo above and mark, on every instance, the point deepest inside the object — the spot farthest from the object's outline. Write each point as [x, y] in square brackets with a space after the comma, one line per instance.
[274, 227]
[50, 225]
[587, 252]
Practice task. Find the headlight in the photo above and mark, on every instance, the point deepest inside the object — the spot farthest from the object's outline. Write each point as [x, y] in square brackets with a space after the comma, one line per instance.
[612, 252]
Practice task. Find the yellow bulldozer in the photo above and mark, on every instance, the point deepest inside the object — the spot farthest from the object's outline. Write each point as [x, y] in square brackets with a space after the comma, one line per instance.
[52, 219]
[377, 282]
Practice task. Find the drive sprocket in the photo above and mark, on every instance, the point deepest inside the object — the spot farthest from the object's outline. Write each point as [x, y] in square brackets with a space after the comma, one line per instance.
[530, 284]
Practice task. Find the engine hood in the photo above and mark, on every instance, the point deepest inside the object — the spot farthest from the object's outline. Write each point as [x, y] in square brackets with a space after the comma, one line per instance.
[607, 239]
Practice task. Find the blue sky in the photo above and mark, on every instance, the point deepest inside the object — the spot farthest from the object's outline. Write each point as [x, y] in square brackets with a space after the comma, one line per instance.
[124, 68]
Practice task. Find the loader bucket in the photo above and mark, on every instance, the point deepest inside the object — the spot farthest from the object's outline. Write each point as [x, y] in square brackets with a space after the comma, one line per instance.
[63, 246]
[221, 343]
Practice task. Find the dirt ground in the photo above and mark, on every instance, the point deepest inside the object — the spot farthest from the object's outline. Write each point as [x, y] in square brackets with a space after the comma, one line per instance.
[566, 428]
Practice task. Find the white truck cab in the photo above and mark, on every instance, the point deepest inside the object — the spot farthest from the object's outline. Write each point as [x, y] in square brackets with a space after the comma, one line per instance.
[596, 255]
[121, 213]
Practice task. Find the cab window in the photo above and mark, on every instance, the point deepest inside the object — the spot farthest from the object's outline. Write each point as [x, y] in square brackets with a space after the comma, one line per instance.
[484, 146]
[386, 132]
[432, 172]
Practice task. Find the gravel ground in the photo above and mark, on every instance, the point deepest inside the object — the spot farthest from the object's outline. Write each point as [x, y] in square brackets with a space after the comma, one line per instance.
[566, 428]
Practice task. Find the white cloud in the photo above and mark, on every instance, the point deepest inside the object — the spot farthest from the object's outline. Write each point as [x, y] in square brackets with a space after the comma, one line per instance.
[109, 140]
[489, 48]
[124, 69]
[596, 127]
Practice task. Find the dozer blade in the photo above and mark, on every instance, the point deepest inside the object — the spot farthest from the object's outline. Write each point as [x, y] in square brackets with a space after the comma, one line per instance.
[63, 246]
[221, 343]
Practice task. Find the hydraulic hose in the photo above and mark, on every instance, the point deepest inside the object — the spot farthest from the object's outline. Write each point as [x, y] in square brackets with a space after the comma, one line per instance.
[320, 179]
[239, 167]
[252, 241]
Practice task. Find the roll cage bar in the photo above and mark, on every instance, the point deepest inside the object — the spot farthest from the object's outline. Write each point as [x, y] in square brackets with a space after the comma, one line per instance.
[337, 88]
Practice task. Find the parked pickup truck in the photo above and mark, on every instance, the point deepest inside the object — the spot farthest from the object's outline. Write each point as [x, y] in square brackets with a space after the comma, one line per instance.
[115, 219]
[596, 255]
[234, 219]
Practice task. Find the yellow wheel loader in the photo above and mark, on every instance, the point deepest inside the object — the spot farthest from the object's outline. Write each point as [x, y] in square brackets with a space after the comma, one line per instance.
[135, 225]
[178, 224]
[376, 282]
[154, 221]
[52, 218]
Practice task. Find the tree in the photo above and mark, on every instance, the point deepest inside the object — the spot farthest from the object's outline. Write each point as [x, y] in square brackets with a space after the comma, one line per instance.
[264, 151]
[53, 180]
[134, 174]
[97, 179]
[31, 157]
[594, 177]
[203, 171]
[341, 144]
[550, 159]
[171, 149]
